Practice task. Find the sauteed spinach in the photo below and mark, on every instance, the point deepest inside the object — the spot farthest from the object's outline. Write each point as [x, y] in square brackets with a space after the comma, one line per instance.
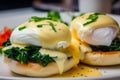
[115, 46]
[28, 54]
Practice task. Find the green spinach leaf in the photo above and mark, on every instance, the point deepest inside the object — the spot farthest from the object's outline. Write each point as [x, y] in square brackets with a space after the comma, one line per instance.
[115, 46]
[28, 54]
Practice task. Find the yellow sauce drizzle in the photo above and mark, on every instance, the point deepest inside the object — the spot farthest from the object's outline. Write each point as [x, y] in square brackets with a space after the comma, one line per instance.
[80, 71]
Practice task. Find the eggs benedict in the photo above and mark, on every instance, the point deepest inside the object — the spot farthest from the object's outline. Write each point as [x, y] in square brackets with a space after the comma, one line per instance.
[98, 36]
[41, 47]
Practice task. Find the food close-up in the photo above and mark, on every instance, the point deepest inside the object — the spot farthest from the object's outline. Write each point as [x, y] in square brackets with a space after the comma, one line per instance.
[49, 47]
[98, 35]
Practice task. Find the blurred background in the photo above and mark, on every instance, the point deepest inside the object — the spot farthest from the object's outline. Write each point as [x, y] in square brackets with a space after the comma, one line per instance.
[47, 5]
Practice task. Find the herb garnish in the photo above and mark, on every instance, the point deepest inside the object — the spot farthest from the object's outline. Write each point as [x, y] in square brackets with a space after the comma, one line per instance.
[55, 16]
[73, 16]
[50, 24]
[53, 26]
[21, 28]
[36, 18]
[51, 15]
[115, 46]
[28, 54]
[92, 18]
[82, 14]
[40, 25]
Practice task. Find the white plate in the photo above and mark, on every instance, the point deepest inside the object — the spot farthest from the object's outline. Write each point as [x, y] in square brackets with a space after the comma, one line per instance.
[14, 18]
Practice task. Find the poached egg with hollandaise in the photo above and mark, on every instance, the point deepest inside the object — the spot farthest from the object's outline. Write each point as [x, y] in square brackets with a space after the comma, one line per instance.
[98, 35]
[41, 48]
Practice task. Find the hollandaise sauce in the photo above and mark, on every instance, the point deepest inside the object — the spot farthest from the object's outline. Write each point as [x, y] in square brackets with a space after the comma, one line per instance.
[80, 71]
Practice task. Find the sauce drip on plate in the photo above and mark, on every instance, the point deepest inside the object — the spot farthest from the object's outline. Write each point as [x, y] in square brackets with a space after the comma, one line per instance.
[80, 71]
